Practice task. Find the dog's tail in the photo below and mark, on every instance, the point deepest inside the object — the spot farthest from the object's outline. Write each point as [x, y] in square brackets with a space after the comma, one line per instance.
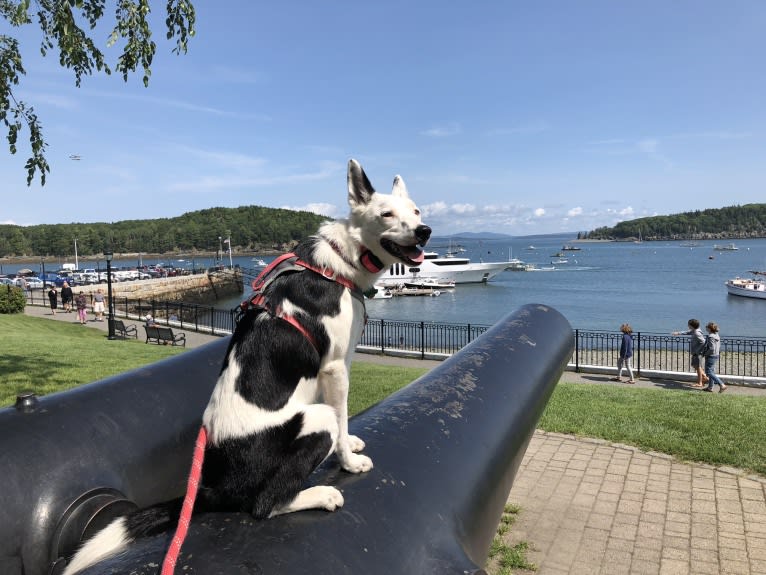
[115, 537]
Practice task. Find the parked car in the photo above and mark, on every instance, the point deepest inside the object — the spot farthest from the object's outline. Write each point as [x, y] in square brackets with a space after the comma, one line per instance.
[7, 282]
[31, 282]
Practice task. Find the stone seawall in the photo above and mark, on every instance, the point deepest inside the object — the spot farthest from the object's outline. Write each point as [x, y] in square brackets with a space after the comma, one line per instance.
[199, 288]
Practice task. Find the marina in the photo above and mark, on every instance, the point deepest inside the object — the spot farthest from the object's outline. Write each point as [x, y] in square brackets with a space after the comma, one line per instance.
[654, 286]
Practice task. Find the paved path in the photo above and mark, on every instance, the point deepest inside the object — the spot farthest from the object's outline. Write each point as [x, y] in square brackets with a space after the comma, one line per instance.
[593, 507]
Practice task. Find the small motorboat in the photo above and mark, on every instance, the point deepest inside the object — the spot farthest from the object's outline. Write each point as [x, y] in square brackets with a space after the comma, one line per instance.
[430, 283]
[380, 292]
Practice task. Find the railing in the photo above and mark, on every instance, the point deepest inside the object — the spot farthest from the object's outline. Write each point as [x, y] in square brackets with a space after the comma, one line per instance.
[192, 316]
[740, 356]
[421, 337]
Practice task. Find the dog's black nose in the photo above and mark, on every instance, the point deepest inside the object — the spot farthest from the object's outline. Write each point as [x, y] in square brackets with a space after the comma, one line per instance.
[422, 233]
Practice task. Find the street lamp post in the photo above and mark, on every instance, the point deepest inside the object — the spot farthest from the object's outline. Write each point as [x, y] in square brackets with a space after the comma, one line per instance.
[110, 319]
[42, 267]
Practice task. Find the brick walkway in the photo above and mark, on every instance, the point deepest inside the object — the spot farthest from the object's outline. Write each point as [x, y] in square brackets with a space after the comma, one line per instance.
[591, 507]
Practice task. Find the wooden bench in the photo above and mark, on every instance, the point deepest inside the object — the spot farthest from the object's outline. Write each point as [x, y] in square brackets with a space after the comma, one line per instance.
[124, 331]
[164, 335]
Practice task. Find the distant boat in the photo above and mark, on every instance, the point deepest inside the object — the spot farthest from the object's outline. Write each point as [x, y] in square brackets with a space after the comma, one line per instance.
[560, 261]
[259, 262]
[725, 248]
[430, 283]
[534, 268]
[639, 240]
[755, 288]
[570, 248]
[404, 291]
[558, 255]
[516, 265]
[380, 292]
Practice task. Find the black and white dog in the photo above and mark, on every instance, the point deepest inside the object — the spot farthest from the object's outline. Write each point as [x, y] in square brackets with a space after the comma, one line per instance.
[279, 407]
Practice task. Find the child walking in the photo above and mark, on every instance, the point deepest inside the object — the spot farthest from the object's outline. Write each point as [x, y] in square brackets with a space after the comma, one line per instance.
[626, 353]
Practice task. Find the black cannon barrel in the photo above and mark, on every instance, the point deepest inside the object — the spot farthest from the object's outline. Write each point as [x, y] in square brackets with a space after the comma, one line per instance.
[445, 448]
[73, 460]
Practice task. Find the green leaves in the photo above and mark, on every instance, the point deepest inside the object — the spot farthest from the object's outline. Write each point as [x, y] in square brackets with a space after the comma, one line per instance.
[59, 29]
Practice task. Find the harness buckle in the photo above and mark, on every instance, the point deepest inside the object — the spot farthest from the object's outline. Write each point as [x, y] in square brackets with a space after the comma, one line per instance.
[330, 274]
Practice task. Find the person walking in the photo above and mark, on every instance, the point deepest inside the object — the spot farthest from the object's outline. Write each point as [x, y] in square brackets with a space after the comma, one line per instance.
[696, 347]
[712, 351]
[98, 304]
[82, 307]
[53, 298]
[626, 353]
[66, 297]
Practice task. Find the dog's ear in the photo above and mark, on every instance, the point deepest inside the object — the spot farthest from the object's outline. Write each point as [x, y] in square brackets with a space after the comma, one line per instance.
[360, 189]
[399, 188]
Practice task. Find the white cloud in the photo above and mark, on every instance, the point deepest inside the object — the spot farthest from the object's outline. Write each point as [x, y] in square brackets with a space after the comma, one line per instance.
[647, 146]
[539, 212]
[435, 209]
[574, 212]
[463, 209]
[447, 130]
[56, 100]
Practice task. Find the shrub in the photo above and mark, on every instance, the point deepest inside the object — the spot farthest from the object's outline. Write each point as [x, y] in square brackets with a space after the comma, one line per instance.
[12, 299]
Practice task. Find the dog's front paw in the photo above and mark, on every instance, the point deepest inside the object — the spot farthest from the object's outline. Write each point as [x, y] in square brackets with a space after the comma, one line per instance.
[329, 498]
[357, 463]
[355, 443]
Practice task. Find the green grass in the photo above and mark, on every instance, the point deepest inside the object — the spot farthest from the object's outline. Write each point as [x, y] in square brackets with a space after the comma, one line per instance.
[370, 383]
[703, 427]
[504, 557]
[46, 356]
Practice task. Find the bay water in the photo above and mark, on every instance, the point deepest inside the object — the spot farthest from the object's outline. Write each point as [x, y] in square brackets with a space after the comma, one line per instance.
[654, 286]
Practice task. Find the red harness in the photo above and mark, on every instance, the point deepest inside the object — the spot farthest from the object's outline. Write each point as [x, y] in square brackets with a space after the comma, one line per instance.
[283, 264]
[291, 263]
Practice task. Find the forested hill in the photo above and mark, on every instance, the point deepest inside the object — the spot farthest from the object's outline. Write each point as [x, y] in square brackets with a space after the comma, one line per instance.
[251, 228]
[748, 221]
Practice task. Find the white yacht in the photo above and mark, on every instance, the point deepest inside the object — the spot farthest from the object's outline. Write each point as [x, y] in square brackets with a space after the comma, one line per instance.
[755, 288]
[449, 268]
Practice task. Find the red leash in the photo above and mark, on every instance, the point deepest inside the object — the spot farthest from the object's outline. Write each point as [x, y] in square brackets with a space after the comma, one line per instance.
[169, 565]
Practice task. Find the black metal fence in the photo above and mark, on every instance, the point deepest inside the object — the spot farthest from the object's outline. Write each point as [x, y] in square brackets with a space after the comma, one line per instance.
[740, 356]
[421, 337]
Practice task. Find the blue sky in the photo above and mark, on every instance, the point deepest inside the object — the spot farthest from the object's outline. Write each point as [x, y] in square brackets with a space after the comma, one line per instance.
[510, 117]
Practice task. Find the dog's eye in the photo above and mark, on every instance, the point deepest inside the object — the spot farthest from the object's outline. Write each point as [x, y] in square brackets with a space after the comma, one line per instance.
[417, 212]
[387, 214]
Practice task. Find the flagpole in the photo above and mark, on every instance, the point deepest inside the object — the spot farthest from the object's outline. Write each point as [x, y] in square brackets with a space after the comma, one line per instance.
[231, 265]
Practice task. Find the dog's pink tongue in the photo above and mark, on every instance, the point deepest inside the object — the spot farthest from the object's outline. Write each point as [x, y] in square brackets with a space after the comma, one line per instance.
[419, 256]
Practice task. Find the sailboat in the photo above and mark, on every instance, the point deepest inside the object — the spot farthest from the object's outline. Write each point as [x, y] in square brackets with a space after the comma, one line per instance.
[639, 240]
